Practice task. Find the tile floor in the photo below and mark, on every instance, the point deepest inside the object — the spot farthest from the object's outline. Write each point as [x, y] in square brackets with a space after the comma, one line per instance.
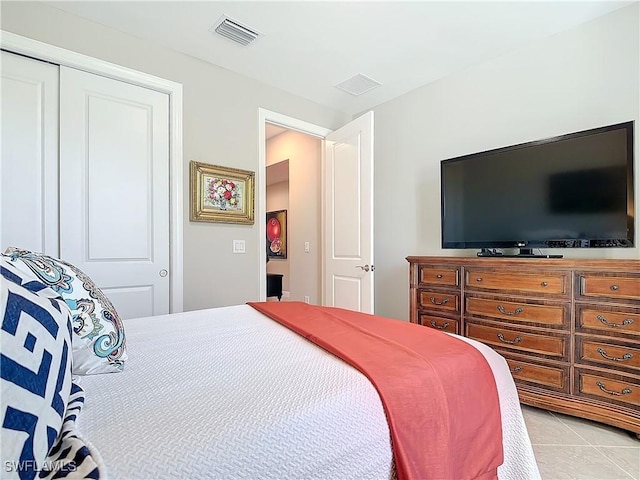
[573, 448]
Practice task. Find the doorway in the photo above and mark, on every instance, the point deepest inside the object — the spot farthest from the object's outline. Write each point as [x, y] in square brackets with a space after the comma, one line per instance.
[287, 125]
[345, 218]
[293, 203]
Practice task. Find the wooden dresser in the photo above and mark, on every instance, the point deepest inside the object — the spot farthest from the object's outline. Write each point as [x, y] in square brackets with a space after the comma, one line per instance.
[569, 328]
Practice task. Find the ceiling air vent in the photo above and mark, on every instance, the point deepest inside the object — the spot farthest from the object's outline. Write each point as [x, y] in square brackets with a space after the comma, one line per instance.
[358, 84]
[235, 31]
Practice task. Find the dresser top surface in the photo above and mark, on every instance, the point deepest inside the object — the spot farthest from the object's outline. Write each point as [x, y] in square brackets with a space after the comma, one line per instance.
[627, 265]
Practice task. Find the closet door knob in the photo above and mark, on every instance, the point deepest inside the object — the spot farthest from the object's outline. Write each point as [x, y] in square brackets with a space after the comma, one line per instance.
[163, 273]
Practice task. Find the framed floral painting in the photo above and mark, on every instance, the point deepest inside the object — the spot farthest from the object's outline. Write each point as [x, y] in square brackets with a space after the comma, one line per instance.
[221, 194]
[277, 234]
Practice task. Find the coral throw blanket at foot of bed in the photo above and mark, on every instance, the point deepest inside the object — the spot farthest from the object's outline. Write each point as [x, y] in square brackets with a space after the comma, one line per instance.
[438, 392]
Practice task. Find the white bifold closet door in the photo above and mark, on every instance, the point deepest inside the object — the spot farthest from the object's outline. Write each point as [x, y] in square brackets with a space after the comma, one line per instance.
[29, 166]
[114, 188]
[113, 195]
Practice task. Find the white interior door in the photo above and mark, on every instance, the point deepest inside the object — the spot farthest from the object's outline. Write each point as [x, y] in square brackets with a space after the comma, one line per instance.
[114, 188]
[348, 226]
[29, 162]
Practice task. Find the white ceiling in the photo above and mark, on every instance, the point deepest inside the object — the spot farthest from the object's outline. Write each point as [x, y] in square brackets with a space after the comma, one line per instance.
[307, 47]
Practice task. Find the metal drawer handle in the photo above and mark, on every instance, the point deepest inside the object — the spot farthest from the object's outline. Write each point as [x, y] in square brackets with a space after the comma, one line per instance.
[439, 327]
[512, 342]
[626, 356]
[625, 391]
[435, 302]
[479, 279]
[439, 275]
[545, 284]
[614, 288]
[516, 369]
[517, 311]
[625, 322]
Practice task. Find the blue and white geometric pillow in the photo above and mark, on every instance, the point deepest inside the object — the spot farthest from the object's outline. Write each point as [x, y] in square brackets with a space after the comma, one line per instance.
[71, 457]
[11, 273]
[35, 371]
[99, 344]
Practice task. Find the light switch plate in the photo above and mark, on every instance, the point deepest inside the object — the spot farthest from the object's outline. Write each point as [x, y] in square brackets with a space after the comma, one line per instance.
[238, 246]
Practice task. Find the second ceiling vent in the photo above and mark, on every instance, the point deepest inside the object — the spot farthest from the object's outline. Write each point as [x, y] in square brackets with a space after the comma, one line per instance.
[358, 84]
[234, 30]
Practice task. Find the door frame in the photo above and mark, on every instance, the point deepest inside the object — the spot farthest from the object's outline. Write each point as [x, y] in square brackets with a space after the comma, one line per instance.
[290, 123]
[60, 56]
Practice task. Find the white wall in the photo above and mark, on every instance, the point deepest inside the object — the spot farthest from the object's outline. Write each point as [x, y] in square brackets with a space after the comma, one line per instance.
[303, 217]
[579, 79]
[220, 127]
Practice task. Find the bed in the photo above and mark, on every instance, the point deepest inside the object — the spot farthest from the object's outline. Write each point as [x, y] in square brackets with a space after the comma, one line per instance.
[232, 393]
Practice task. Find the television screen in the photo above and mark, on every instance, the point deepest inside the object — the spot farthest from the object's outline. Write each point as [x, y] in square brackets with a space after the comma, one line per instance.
[570, 191]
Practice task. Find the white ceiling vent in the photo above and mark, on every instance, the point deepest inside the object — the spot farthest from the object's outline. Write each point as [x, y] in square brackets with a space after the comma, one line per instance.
[233, 30]
[358, 84]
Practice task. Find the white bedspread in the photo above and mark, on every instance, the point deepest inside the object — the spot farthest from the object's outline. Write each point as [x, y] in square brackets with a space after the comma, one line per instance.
[229, 394]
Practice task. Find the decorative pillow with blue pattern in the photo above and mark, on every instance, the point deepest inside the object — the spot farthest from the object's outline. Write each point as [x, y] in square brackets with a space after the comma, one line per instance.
[98, 340]
[35, 371]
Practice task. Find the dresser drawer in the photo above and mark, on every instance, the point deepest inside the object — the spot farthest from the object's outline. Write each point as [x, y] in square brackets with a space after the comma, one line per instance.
[594, 284]
[548, 314]
[624, 321]
[554, 283]
[607, 354]
[554, 377]
[442, 276]
[439, 323]
[553, 345]
[624, 391]
[433, 300]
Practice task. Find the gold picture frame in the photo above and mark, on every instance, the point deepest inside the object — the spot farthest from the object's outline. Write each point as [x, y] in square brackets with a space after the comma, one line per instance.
[221, 194]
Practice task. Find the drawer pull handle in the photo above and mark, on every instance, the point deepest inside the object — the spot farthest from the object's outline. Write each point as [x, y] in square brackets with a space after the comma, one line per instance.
[439, 275]
[625, 322]
[614, 288]
[479, 279]
[517, 311]
[439, 327]
[516, 369]
[626, 356]
[545, 284]
[625, 391]
[512, 342]
[435, 302]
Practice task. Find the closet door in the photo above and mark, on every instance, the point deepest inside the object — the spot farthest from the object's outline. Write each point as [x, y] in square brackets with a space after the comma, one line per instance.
[29, 162]
[114, 188]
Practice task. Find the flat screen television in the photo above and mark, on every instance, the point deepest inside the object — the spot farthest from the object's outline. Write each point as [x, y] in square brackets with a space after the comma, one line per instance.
[571, 191]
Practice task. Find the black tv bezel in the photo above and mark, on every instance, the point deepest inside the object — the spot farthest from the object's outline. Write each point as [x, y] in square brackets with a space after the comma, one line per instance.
[629, 242]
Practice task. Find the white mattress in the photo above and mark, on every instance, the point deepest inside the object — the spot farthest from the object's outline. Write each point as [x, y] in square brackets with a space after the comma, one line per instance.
[228, 393]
